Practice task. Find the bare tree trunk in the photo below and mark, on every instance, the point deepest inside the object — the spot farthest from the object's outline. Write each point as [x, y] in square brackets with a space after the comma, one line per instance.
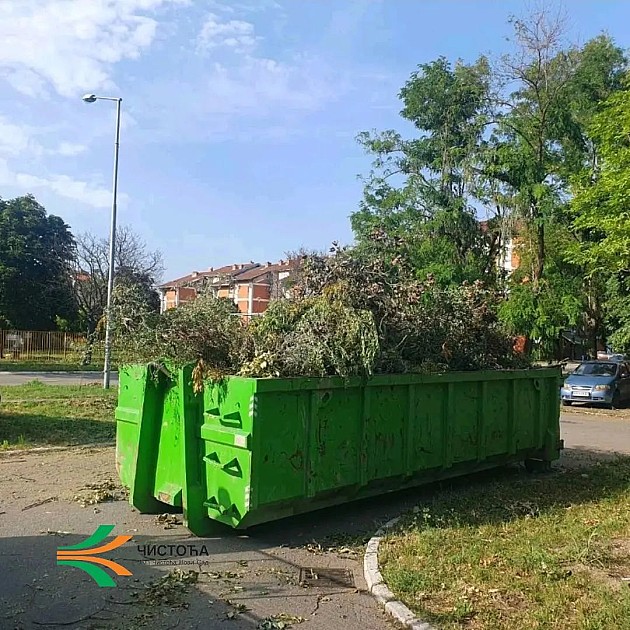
[540, 255]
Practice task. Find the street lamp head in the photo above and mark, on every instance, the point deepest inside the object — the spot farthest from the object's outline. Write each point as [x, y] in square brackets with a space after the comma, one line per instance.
[89, 98]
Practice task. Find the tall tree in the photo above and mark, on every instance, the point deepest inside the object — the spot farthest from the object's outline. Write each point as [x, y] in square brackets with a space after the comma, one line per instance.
[135, 266]
[512, 138]
[524, 153]
[36, 251]
[600, 213]
[599, 74]
[540, 143]
[423, 189]
[600, 204]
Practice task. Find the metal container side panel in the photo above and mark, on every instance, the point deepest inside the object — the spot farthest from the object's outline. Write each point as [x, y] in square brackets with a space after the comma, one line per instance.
[138, 422]
[251, 450]
[550, 416]
[128, 414]
[496, 409]
[335, 439]
[525, 415]
[464, 423]
[225, 449]
[268, 385]
[169, 465]
[315, 436]
[536, 411]
[280, 446]
[427, 430]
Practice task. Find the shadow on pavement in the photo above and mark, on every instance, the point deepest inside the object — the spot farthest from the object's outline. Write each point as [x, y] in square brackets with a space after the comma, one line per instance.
[37, 593]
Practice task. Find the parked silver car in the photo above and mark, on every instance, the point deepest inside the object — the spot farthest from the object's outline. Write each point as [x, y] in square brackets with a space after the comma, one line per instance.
[605, 382]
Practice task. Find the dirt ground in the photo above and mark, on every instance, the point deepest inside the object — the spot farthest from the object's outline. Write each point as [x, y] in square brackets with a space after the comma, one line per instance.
[260, 579]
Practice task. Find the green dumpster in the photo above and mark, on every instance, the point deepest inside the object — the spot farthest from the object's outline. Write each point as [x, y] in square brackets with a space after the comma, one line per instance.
[252, 450]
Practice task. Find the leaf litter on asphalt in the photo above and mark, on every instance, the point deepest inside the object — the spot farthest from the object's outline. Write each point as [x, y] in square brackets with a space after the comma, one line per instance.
[100, 492]
[170, 589]
[169, 521]
[280, 622]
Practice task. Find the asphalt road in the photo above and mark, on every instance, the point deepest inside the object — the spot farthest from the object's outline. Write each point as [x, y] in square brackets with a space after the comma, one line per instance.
[596, 430]
[246, 578]
[55, 378]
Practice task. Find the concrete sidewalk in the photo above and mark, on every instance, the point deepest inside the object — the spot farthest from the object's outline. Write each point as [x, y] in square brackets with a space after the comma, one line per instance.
[56, 378]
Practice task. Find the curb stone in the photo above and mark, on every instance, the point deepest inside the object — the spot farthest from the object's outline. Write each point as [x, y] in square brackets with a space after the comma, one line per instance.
[380, 591]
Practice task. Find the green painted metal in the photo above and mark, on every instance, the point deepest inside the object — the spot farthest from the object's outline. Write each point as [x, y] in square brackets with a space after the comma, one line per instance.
[250, 450]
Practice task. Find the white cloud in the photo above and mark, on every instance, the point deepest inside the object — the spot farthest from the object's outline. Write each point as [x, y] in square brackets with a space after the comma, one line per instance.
[65, 47]
[19, 141]
[18, 144]
[61, 185]
[260, 86]
[247, 84]
[236, 35]
[244, 6]
[71, 45]
[70, 149]
[16, 140]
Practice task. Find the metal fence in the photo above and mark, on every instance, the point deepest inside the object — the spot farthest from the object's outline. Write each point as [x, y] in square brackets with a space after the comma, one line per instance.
[45, 347]
[59, 347]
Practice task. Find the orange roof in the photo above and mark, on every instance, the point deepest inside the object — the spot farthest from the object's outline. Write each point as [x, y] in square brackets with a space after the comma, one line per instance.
[263, 270]
[228, 271]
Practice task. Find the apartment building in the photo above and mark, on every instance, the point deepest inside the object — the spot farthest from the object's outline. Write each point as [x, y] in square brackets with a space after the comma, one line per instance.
[251, 285]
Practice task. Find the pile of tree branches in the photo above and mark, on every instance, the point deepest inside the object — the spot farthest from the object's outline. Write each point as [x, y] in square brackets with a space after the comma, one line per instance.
[352, 313]
[206, 331]
[419, 325]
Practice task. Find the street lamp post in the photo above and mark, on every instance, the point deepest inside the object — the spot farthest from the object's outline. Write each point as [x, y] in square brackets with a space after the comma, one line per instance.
[91, 98]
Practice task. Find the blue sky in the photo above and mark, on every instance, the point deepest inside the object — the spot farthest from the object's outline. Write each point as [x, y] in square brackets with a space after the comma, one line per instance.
[240, 116]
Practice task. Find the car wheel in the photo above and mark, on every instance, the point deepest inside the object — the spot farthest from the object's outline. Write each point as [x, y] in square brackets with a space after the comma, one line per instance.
[566, 403]
[537, 466]
[616, 401]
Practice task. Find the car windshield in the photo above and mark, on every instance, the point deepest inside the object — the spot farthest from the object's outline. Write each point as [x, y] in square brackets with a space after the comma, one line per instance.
[596, 369]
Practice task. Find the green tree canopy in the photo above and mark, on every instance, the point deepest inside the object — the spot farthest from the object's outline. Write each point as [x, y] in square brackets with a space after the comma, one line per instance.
[600, 204]
[423, 190]
[36, 252]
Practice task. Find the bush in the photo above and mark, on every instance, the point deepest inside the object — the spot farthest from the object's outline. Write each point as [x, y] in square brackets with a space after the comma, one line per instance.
[207, 331]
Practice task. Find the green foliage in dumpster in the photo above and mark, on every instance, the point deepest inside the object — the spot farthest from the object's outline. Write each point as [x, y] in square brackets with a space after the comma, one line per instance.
[353, 312]
[207, 331]
[420, 325]
[313, 336]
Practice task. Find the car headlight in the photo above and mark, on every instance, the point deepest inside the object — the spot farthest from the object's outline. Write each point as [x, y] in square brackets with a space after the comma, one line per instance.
[601, 388]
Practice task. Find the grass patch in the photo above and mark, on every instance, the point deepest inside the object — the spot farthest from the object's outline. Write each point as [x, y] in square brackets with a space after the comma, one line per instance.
[523, 552]
[46, 415]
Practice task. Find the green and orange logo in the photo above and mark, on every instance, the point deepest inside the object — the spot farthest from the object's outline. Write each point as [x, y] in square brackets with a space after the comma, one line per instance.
[83, 556]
